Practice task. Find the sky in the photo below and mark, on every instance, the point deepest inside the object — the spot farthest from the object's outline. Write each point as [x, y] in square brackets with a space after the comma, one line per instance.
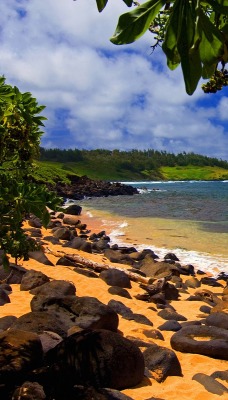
[97, 94]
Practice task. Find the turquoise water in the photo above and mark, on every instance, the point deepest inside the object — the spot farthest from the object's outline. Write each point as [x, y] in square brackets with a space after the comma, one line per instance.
[188, 217]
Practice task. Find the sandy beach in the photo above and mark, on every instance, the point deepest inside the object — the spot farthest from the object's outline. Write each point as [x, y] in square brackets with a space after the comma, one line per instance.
[174, 387]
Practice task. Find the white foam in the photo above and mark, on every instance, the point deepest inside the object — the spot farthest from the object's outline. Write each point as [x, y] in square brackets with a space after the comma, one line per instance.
[202, 261]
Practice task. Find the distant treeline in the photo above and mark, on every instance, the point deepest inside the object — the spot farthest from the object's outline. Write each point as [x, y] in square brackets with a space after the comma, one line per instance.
[132, 160]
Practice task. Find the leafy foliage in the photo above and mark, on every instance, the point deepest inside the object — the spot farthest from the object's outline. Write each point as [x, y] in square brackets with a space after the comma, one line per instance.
[20, 134]
[192, 33]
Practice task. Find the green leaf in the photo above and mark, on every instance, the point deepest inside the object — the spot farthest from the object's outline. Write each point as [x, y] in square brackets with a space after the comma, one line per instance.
[128, 2]
[101, 4]
[211, 47]
[220, 8]
[208, 71]
[132, 25]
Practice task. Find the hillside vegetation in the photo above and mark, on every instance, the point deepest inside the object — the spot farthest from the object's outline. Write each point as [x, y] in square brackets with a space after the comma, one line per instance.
[56, 165]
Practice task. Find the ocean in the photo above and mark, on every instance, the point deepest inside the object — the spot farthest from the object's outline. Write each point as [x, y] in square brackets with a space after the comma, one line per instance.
[187, 218]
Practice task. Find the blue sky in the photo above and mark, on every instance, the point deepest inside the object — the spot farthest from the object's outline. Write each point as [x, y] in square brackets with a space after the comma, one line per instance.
[99, 95]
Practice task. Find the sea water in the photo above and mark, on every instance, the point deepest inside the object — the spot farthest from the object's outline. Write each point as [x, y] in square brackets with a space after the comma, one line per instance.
[187, 218]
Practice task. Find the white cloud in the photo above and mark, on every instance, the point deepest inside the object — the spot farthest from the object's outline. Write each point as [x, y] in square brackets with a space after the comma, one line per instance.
[98, 94]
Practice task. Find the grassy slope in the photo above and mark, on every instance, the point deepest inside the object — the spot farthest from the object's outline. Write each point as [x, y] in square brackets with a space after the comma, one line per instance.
[53, 171]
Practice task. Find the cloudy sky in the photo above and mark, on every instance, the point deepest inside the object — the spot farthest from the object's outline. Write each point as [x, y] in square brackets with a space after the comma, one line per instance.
[99, 95]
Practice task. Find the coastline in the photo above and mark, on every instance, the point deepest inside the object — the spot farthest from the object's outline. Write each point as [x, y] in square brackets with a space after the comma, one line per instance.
[181, 237]
[183, 386]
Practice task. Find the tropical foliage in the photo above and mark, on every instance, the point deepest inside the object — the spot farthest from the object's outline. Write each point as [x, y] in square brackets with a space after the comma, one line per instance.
[192, 33]
[20, 134]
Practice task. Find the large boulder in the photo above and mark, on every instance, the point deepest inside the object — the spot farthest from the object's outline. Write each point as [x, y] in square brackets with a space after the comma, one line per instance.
[162, 362]
[98, 358]
[55, 288]
[210, 341]
[38, 322]
[20, 351]
[115, 277]
[32, 279]
[85, 312]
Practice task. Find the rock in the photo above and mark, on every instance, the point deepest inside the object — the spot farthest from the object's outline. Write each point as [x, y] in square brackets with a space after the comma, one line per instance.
[205, 309]
[20, 351]
[219, 319]
[73, 209]
[210, 282]
[116, 256]
[79, 244]
[121, 309]
[55, 288]
[170, 325]
[6, 287]
[32, 279]
[7, 321]
[4, 298]
[170, 314]
[13, 274]
[162, 362]
[96, 358]
[39, 256]
[29, 391]
[34, 222]
[38, 322]
[85, 312]
[116, 290]
[193, 282]
[141, 319]
[210, 384]
[63, 233]
[65, 262]
[89, 393]
[49, 340]
[153, 334]
[215, 344]
[115, 277]
[171, 256]
[157, 269]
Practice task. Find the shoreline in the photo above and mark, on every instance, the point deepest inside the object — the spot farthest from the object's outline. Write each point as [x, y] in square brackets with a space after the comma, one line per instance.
[191, 364]
[126, 231]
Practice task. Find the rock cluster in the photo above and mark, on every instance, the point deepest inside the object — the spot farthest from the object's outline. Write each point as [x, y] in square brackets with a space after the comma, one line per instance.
[69, 347]
[81, 187]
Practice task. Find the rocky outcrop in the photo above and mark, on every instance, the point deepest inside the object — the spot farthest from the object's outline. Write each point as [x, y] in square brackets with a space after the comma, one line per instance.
[83, 186]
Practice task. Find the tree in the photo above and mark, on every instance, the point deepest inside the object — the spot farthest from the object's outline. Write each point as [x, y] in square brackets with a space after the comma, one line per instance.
[20, 134]
[192, 33]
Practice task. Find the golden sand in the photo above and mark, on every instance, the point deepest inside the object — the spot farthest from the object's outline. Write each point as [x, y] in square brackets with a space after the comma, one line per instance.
[173, 388]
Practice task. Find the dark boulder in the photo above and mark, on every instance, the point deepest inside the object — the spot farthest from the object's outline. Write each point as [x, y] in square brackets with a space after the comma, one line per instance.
[219, 319]
[162, 362]
[213, 341]
[168, 314]
[20, 351]
[170, 325]
[96, 358]
[38, 322]
[85, 312]
[39, 256]
[32, 279]
[116, 290]
[4, 298]
[55, 288]
[29, 391]
[73, 209]
[7, 321]
[115, 277]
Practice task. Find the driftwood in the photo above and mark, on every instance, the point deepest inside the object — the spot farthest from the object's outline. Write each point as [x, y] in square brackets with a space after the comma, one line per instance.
[84, 262]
